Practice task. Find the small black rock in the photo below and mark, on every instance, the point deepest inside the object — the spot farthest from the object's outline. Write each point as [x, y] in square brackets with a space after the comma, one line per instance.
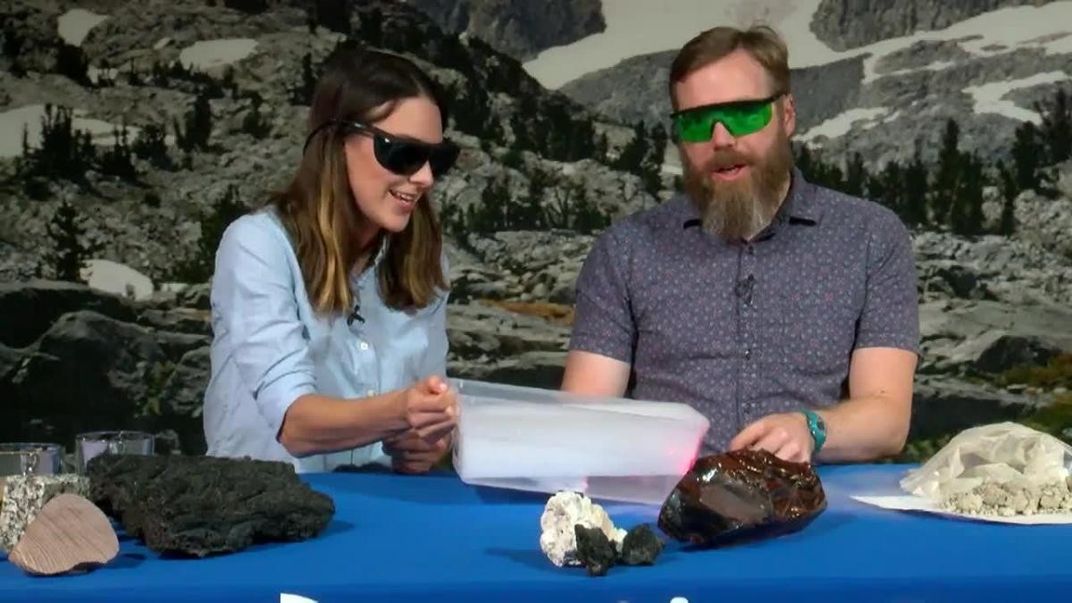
[641, 546]
[594, 550]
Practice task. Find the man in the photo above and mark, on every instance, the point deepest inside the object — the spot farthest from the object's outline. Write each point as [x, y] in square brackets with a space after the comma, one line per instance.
[785, 312]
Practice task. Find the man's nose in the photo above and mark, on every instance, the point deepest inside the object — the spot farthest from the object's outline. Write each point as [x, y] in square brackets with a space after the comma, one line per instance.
[721, 137]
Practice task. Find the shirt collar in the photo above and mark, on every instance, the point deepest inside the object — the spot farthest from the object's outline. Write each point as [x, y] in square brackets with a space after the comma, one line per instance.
[364, 275]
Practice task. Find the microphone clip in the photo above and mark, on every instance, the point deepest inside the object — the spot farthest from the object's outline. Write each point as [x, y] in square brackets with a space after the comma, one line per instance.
[355, 315]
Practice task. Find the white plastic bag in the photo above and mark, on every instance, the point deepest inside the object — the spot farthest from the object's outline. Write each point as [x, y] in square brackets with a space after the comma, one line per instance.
[1006, 453]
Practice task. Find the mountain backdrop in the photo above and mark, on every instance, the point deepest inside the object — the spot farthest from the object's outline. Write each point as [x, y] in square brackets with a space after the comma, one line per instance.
[132, 133]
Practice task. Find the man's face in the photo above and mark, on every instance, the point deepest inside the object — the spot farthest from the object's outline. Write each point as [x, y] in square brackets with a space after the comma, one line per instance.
[737, 182]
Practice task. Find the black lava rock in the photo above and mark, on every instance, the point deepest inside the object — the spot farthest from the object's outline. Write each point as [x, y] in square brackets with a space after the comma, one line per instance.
[594, 550]
[199, 506]
[641, 546]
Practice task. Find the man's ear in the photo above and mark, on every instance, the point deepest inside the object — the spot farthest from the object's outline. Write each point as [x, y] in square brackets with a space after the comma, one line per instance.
[789, 114]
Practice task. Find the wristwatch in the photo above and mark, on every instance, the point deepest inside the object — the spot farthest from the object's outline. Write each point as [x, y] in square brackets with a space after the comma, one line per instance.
[817, 427]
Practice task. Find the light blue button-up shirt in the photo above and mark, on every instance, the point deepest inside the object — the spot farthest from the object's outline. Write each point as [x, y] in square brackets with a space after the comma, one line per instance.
[270, 347]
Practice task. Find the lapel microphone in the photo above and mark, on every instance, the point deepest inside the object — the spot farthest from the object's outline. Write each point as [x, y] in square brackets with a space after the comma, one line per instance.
[355, 315]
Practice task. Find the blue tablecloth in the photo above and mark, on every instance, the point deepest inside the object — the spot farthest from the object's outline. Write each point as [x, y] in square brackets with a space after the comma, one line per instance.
[433, 538]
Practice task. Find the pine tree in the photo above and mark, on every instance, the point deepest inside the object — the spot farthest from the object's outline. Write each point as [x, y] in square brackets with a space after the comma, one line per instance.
[1056, 127]
[371, 31]
[200, 267]
[887, 187]
[69, 250]
[602, 146]
[198, 126]
[1027, 157]
[804, 160]
[631, 157]
[64, 153]
[532, 210]
[914, 201]
[652, 165]
[855, 176]
[133, 77]
[334, 15]
[71, 61]
[254, 123]
[1009, 193]
[561, 211]
[587, 217]
[818, 171]
[470, 110]
[150, 144]
[966, 212]
[118, 161]
[302, 92]
[946, 181]
[493, 214]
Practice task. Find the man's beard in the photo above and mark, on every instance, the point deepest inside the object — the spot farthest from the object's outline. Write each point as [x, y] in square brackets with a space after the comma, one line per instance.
[739, 209]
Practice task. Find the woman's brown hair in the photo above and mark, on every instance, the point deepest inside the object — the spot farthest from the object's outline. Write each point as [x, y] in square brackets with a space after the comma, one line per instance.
[318, 209]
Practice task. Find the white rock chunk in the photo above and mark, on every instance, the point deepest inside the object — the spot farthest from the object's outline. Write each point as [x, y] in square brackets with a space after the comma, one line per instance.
[562, 512]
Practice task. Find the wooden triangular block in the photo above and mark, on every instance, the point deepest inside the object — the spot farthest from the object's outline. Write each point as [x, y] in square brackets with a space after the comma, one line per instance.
[69, 533]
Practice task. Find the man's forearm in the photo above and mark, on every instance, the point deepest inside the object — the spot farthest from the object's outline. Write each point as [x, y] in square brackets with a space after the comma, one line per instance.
[865, 429]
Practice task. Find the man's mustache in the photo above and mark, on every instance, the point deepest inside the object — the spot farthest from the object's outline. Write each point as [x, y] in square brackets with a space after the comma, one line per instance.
[722, 160]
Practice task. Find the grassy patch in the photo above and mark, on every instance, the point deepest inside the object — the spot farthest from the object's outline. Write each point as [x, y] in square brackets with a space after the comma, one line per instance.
[1055, 419]
[1056, 373]
[559, 314]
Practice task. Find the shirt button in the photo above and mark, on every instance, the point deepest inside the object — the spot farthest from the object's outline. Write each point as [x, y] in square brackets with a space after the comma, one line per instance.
[748, 353]
[363, 346]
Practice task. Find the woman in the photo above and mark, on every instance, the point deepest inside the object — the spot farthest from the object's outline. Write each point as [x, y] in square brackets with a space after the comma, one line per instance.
[328, 304]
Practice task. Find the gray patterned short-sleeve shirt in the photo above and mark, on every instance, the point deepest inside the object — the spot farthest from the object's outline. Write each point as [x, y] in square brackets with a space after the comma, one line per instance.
[740, 331]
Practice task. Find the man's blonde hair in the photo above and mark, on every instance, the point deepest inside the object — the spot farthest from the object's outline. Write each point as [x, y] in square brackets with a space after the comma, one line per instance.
[760, 41]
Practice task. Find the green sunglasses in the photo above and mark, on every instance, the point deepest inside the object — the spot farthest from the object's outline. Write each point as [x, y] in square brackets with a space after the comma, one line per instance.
[740, 118]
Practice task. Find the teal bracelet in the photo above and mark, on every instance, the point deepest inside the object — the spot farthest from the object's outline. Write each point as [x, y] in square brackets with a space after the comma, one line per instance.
[817, 427]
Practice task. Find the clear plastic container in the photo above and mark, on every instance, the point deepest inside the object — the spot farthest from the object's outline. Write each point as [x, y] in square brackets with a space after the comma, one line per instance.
[545, 441]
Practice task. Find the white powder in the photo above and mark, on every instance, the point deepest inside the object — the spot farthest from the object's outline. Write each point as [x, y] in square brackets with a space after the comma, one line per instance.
[1006, 500]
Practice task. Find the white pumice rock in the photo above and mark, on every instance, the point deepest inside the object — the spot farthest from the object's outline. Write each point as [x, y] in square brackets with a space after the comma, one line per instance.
[562, 512]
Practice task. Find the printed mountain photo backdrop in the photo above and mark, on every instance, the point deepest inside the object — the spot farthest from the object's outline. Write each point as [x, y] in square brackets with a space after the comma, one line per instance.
[131, 134]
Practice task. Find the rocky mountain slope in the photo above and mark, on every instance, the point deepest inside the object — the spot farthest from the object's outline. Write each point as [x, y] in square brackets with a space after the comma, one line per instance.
[844, 24]
[519, 28]
[907, 67]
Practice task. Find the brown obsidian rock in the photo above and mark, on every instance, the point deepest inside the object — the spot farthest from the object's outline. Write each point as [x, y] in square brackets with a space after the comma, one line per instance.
[741, 495]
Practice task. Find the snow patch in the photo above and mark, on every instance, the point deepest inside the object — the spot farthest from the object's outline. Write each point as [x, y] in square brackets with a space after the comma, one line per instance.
[990, 97]
[30, 117]
[74, 25]
[842, 124]
[207, 54]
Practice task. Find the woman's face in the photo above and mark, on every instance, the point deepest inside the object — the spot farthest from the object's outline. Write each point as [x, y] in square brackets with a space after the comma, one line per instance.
[384, 198]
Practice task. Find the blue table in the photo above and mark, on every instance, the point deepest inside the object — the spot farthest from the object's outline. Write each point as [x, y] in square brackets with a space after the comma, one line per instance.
[433, 538]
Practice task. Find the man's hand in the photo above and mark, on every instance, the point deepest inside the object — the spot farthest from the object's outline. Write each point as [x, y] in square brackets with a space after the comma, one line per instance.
[411, 453]
[785, 435]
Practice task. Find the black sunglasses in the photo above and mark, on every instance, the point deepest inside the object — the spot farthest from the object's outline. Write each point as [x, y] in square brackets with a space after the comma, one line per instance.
[401, 155]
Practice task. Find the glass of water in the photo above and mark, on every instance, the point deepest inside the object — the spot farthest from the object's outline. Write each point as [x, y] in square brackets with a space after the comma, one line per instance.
[94, 443]
[30, 458]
